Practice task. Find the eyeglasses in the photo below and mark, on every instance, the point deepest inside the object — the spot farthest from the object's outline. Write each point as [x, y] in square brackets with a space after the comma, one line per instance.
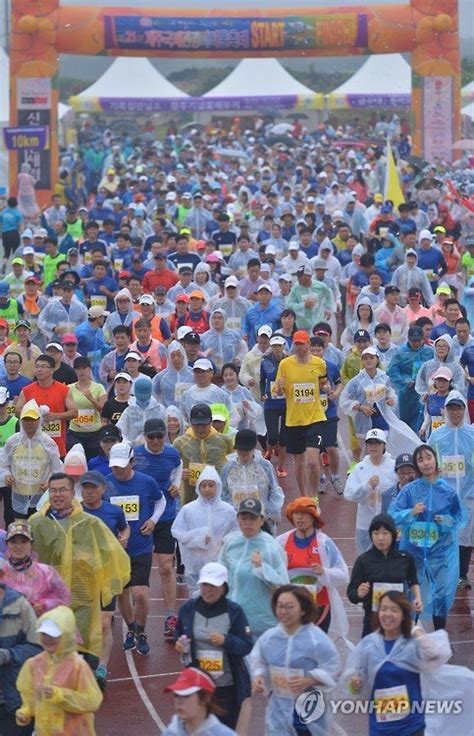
[285, 606]
[155, 436]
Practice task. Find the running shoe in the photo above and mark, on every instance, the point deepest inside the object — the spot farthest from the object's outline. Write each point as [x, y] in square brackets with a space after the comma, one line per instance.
[336, 484]
[325, 459]
[129, 642]
[281, 471]
[170, 628]
[323, 484]
[464, 583]
[143, 647]
[101, 677]
[180, 579]
[351, 467]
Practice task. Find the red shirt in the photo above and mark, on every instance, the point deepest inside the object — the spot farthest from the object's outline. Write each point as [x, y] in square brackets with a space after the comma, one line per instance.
[165, 278]
[300, 560]
[55, 397]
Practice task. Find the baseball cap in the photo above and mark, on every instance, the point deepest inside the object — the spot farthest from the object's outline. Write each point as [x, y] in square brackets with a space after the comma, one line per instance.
[378, 197]
[301, 336]
[376, 434]
[18, 261]
[185, 269]
[192, 337]
[125, 376]
[203, 364]
[320, 263]
[183, 331]
[146, 299]
[425, 235]
[267, 287]
[28, 250]
[27, 233]
[4, 395]
[404, 459]
[154, 425]
[95, 312]
[391, 289]
[415, 333]
[120, 455]
[160, 290]
[32, 278]
[443, 289]
[110, 432]
[161, 256]
[197, 295]
[231, 281]
[304, 271]
[277, 340]
[49, 628]
[359, 335]
[30, 410]
[443, 372]
[56, 345]
[285, 277]
[23, 323]
[385, 209]
[133, 355]
[69, 337]
[200, 414]
[414, 291]
[265, 330]
[4, 288]
[218, 416]
[455, 399]
[190, 681]
[245, 439]
[369, 351]
[250, 506]
[213, 573]
[182, 298]
[270, 250]
[92, 478]
[40, 232]
[293, 246]
[21, 528]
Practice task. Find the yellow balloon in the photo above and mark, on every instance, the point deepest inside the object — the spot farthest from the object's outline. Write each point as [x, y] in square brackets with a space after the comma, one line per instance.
[443, 23]
[28, 24]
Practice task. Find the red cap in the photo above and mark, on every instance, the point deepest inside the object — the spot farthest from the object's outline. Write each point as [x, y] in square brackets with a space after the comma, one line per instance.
[69, 337]
[321, 331]
[32, 278]
[3, 323]
[200, 244]
[190, 681]
[182, 298]
[301, 336]
[124, 274]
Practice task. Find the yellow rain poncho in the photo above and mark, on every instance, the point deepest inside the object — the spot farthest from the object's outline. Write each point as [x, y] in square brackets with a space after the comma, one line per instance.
[89, 559]
[76, 695]
[196, 453]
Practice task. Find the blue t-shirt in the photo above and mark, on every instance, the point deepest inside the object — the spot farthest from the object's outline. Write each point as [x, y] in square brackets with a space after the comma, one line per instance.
[467, 361]
[442, 329]
[14, 387]
[92, 287]
[388, 676]
[10, 219]
[112, 516]
[145, 491]
[159, 466]
[334, 378]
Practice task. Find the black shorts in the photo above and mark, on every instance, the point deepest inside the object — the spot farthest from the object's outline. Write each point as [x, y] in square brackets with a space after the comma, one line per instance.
[329, 433]
[11, 241]
[300, 438]
[112, 605]
[164, 543]
[140, 570]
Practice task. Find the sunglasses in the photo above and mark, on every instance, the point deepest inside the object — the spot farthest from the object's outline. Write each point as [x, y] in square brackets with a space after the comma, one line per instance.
[155, 436]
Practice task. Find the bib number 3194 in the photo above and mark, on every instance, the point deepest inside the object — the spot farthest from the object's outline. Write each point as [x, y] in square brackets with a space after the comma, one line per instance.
[303, 393]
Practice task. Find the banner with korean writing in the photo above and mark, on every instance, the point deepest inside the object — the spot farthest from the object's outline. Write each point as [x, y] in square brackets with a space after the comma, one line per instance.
[19, 139]
[300, 32]
[34, 111]
[438, 112]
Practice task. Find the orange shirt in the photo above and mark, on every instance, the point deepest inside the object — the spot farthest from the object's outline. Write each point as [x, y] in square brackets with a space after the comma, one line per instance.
[55, 397]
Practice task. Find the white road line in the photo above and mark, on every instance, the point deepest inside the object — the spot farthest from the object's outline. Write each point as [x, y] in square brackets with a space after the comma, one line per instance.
[144, 677]
[140, 689]
[337, 729]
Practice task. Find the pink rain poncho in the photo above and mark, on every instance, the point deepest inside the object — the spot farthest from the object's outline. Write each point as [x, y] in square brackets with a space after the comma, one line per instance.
[41, 585]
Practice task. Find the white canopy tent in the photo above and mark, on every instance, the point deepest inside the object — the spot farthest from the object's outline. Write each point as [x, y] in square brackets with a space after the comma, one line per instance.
[129, 85]
[467, 92]
[382, 81]
[259, 78]
[468, 110]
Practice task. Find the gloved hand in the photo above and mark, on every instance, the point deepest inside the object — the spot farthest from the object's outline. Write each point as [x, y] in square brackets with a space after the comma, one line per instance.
[4, 656]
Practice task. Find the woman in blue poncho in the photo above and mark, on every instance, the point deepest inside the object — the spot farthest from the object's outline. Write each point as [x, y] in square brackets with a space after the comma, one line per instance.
[430, 513]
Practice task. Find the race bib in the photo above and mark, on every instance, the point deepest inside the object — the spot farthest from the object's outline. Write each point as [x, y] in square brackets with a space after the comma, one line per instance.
[429, 275]
[378, 589]
[53, 428]
[437, 422]
[241, 494]
[303, 393]
[423, 534]
[30, 473]
[87, 257]
[226, 249]
[383, 231]
[391, 704]
[453, 466]
[118, 264]
[85, 417]
[241, 271]
[11, 410]
[280, 679]
[274, 390]
[99, 300]
[211, 661]
[129, 504]
[179, 390]
[195, 470]
[324, 402]
[234, 323]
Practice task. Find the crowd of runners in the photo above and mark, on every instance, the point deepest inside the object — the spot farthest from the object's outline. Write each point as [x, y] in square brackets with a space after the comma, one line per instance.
[193, 350]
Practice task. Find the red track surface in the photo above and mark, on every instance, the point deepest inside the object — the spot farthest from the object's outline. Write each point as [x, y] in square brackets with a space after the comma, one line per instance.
[135, 703]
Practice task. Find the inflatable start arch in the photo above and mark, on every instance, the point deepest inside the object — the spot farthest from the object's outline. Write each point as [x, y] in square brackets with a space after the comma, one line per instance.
[42, 29]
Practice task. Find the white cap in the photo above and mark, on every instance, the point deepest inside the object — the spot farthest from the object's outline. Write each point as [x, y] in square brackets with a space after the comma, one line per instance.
[231, 281]
[120, 455]
[265, 330]
[146, 299]
[213, 573]
[411, 252]
[265, 268]
[4, 394]
[293, 246]
[96, 312]
[125, 376]
[218, 417]
[28, 251]
[27, 233]
[50, 628]
[425, 235]
[203, 364]
[358, 250]
[55, 345]
[171, 196]
[277, 340]
[270, 250]
[183, 331]
[376, 434]
[369, 351]
[337, 214]
[264, 286]
[285, 277]
[134, 355]
[40, 232]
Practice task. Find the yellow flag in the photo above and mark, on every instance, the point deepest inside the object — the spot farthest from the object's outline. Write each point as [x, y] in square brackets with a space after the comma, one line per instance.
[393, 189]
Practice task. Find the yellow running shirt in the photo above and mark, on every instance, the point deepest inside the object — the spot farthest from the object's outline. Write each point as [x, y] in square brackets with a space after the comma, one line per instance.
[303, 405]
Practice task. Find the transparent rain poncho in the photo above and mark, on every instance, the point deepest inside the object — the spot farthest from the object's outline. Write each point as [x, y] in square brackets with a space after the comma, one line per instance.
[169, 385]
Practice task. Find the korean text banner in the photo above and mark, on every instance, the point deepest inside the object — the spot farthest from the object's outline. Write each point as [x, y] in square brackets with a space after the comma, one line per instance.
[20, 139]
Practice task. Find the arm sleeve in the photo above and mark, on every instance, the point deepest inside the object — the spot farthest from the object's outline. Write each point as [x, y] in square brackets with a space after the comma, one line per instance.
[86, 698]
[159, 509]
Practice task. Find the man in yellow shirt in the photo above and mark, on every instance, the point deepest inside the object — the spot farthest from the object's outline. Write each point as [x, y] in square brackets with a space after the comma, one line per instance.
[299, 379]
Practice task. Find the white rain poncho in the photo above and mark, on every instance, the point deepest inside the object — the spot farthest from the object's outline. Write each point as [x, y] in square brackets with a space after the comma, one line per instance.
[363, 389]
[454, 447]
[200, 527]
[424, 384]
[170, 384]
[173, 411]
[140, 408]
[250, 586]
[276, 657]
[227, 346]
[210, 395]
[408, 277]
[30, 462]
[347, 337]
[439, 682]
[115, 318]
[235, 309]
[249, 374]
[210, 287]
[250, 412]
[335, 573]
[55, 314]
[255, 479]
[358, 490]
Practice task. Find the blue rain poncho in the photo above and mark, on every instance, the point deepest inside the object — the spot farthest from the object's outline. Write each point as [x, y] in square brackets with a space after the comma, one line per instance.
[363, 389]
[227, 346]
[170, 384]
[433, 544]
[255, 479]
[454, 447]
[276, 657]
[250, 586]
[424, 384]
[402, 371]
[407, 277]
[235, 310]
[55, 314]
[140, 408]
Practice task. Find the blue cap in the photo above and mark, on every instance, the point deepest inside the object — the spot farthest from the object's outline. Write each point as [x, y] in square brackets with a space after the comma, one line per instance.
[93, 478]
[4, 288]
[385, 209]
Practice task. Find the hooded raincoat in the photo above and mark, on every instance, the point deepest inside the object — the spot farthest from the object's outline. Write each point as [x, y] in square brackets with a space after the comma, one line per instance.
[90, 560]
[223, 347]
[454, 447]
[250, 586]
[235, 309]
[424, 383]
[433, 544]
[141, 407]
[402, 371]
[55, 314]
[173, 411]
[408, 277]
[277, 656]
[115, 318]
[169, 385]
[30, 462]
[196, 453]
[41, 585]
[200, 527]
[255, 479]
[76, 695]
[210, 395]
